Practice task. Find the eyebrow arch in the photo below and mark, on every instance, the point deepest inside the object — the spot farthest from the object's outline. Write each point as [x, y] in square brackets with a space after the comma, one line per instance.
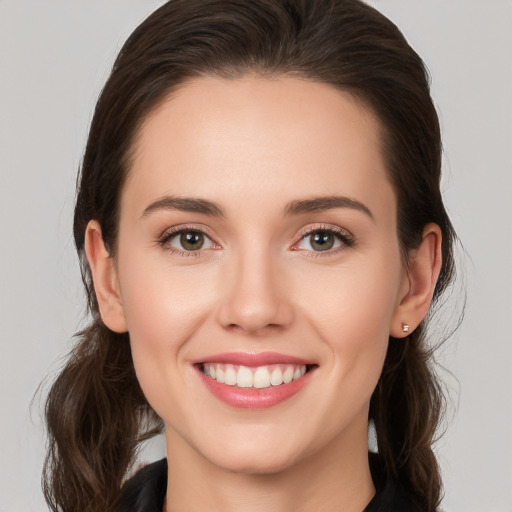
[185, 204]
[319, 204]
[197, 205]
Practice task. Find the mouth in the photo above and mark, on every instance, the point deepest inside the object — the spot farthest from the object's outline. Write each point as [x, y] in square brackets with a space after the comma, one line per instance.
[256, 377]
[254, 381]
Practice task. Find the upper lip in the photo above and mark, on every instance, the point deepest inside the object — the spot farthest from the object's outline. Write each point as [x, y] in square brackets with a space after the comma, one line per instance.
[253, 359]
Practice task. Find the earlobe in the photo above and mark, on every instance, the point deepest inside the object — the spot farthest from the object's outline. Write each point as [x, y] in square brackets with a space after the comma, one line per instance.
[104, 275]
[423, 270]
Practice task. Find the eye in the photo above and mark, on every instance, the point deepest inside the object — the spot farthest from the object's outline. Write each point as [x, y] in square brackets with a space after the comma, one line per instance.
[323, 240]
[319, 241]
[187, 240]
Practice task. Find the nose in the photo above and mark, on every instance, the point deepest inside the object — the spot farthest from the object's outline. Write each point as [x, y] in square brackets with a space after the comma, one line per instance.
[255, 299]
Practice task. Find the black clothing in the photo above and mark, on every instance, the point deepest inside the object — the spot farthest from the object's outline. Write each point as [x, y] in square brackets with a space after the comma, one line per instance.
[145, 491]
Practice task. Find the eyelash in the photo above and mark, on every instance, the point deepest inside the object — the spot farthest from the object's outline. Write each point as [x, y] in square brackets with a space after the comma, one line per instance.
[347, 240]
[164, 240]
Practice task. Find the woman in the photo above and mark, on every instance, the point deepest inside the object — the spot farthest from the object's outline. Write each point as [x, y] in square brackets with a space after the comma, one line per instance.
[261, 234]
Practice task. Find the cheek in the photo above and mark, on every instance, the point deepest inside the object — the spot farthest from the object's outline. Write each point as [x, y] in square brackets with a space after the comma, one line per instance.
[350, 309]
[358, 298]
[159, 297]
[164, 306]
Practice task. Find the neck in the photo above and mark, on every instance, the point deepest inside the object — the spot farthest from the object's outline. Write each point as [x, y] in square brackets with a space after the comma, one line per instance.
[337, 478]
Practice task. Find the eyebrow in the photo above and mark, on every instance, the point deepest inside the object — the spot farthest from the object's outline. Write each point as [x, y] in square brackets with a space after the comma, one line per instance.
[319, 204]
[210, 208]
[185, 204]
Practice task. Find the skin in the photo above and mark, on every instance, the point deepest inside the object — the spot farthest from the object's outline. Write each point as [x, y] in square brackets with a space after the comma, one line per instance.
[254, 146]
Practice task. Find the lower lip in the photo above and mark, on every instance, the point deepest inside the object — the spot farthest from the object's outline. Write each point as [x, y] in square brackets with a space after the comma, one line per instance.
[251, 398]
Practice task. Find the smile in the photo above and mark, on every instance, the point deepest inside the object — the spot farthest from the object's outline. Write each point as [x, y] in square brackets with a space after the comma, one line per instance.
[259, 377]
[254, 381]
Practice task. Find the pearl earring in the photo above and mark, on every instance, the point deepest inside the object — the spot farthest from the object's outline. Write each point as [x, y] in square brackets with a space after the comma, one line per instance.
[405, 327]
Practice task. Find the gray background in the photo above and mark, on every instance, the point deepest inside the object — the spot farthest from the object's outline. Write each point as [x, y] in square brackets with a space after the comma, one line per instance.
[54, 57]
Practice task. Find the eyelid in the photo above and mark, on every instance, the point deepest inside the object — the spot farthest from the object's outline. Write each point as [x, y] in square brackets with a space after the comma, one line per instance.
[173, 231]
[346, 238]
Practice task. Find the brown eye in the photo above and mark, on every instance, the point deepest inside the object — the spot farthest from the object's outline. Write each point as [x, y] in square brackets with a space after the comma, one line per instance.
[192, 240]
[187, 240]
[322, 240]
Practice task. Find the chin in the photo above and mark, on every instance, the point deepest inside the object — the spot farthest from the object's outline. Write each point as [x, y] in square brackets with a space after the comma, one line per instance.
[255, 462]
[246, 452]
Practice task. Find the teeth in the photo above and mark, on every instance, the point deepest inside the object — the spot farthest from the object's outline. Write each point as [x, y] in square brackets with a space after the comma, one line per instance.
[276, 377]
[258, 377]
[288, 375]
[261, 378]
[230, 376]
[244, 377]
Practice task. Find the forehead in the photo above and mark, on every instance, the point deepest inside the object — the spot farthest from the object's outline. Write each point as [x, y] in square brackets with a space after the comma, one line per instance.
[258, 136]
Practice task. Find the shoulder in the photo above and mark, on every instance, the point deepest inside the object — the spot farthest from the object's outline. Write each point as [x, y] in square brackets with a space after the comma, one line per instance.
[145, 491]
[389, 496]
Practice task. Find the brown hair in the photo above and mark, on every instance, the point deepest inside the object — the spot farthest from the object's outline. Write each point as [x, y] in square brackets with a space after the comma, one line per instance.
[96, 412]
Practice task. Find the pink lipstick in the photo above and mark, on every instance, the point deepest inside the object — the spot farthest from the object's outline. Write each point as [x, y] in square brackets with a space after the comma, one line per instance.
[254, 381]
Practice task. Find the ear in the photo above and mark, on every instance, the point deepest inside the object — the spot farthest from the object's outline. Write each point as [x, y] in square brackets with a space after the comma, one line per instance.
[104, 276]
[419, 283]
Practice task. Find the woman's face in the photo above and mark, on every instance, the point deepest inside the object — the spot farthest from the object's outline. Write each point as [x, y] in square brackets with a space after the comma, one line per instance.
[258, 240]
